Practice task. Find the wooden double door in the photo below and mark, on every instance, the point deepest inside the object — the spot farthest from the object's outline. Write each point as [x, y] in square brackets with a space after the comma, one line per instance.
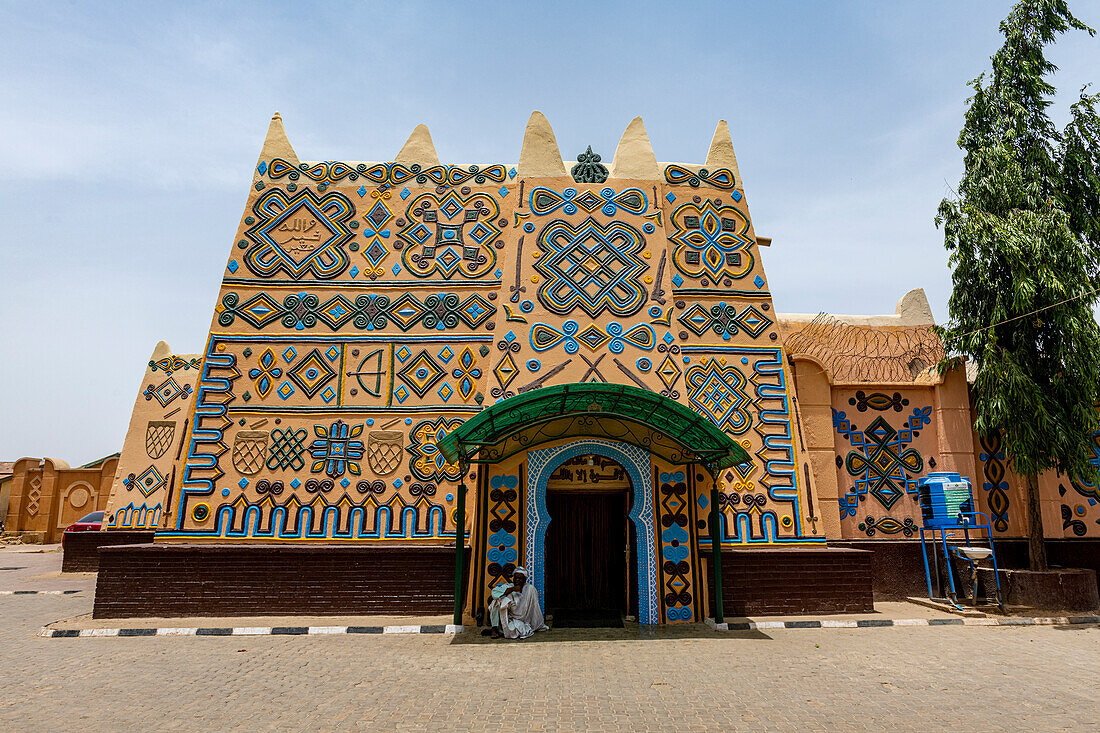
[590, 552]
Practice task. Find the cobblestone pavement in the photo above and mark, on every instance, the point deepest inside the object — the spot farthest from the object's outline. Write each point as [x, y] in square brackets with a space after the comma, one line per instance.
[38, 567]
[979, 678]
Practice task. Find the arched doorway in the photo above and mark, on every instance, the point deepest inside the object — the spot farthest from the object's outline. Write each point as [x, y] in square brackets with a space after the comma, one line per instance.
[541, 464]
[590, 551]
[624, 423]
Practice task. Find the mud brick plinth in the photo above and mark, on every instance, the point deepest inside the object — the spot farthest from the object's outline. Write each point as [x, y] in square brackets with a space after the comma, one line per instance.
[762, 582]
[273, 580]
[80, 550]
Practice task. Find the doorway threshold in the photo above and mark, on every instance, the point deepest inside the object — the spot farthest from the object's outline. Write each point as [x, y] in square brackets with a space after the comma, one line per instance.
[587, 619]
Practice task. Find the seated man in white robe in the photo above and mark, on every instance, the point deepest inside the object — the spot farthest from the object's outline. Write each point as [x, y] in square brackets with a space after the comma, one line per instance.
[514, 609]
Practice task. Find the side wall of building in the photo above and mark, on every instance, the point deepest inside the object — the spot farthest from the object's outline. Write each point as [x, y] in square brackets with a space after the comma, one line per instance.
[154, 442]
[870, 443]
[47, 496]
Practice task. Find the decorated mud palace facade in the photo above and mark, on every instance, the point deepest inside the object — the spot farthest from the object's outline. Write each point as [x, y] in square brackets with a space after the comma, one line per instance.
[576, 367]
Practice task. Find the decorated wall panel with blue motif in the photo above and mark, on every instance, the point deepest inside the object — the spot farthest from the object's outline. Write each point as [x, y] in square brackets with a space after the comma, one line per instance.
[354, 328]
[158, 427]
[885, 442]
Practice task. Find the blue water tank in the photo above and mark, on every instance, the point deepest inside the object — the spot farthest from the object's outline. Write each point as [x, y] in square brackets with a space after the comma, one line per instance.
[943, 496]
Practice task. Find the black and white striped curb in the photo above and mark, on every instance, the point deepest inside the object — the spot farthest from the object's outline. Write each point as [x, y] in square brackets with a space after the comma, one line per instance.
[253, 631]
[865, 623]
[453, 629]
[38, 592]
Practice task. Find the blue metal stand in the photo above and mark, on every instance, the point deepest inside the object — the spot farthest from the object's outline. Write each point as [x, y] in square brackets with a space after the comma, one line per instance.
[946, 505]
[967, 552]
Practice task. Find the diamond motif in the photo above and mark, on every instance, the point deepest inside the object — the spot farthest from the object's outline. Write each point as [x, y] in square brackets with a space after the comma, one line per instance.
[480, 233]
[446, 354]
[376, 252]
[450, 206]
[476, 310]
[312, 373]
[696, 318]
[589, 201]
[336, 312]
[445, 391]
[592, 337]
[260, 310]
[407, 311]
[332, 353]
[668, 371]
[421, 374]
[149, 481]
[286, 389]
[378, 215]
[403, 353]
[506, 371]
[289, 354]
[167, 391]
[449, 259]
[753, 321]
[419, 234]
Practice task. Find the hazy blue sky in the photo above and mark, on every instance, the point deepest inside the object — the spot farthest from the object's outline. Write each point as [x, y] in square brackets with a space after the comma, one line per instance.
[128, 133]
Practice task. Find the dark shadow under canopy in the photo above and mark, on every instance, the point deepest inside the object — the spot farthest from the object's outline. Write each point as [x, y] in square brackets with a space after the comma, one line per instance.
[613, 411]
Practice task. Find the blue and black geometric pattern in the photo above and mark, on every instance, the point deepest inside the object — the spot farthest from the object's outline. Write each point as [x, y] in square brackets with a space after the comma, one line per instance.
[300, 234]
[591, 267]
[882, 463]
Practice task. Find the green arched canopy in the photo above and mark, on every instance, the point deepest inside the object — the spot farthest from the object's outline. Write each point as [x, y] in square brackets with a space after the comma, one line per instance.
[613, 411]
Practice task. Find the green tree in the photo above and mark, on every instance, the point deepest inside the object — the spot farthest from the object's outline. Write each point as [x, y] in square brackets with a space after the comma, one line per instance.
[1023, 233]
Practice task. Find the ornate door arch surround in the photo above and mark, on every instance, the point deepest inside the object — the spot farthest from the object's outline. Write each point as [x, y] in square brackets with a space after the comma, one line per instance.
[542, 463]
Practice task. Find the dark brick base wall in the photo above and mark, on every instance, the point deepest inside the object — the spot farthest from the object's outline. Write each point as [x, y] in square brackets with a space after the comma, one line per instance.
[898, 570]
[759, 581]
[272, 580]
[80, 550]
[1083, 553]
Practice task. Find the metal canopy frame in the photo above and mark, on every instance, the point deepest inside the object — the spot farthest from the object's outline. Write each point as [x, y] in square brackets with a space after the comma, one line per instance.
[616, 411]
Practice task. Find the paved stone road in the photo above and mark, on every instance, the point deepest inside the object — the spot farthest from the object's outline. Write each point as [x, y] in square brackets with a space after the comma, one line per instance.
[979, 678]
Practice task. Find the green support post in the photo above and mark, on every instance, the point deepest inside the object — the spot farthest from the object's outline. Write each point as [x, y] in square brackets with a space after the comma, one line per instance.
[460, 548]
[716, 555]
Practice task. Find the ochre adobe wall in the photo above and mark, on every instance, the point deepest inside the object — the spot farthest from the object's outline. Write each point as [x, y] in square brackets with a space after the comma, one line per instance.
[154, 441]
[367, 309]
[47, 496]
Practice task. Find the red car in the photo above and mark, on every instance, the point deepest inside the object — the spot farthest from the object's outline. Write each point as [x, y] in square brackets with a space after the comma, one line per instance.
[91, 522]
